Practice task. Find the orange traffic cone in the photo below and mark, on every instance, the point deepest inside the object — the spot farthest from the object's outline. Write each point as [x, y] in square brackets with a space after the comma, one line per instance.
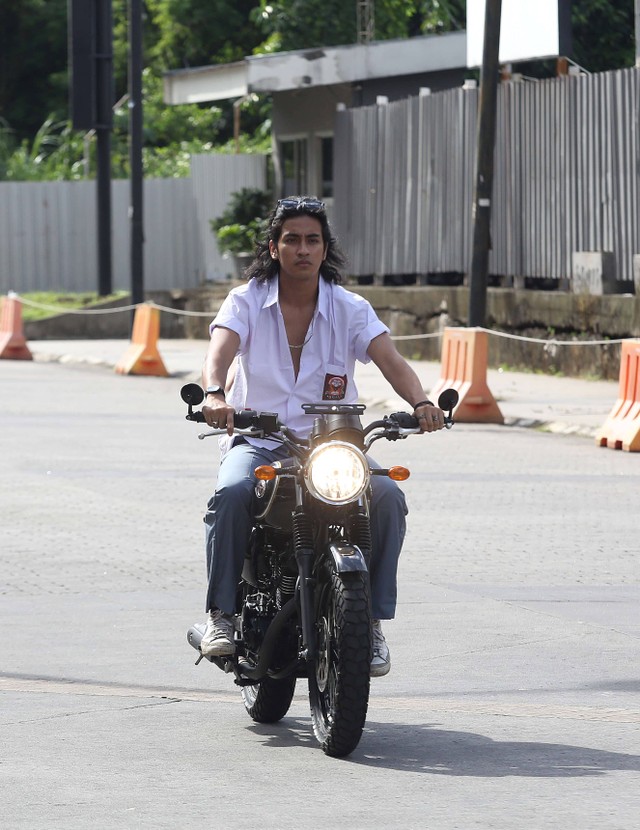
[13, 345]
[464, 368]
[142, 356]
[621, 430]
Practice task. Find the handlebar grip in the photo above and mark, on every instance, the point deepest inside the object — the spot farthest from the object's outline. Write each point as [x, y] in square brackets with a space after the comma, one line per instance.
[195, 416]
[405, 420]
[245, 419]
[265, 421]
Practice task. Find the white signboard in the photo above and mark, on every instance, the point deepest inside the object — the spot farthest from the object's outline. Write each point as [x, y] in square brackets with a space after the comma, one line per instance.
[529, 29]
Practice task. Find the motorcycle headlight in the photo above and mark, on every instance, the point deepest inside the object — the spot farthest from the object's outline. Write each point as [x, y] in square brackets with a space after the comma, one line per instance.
[337, 473]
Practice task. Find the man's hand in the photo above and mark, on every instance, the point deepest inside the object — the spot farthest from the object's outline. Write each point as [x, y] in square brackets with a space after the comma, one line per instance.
[218, 414]
[430, 417]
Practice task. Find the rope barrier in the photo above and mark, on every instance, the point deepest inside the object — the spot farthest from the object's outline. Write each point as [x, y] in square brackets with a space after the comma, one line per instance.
[552, 343]
[547, 343]
[57, 310]
[183, 311]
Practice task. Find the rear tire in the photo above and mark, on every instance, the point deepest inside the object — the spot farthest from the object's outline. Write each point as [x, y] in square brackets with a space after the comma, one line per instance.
[339, 681]
[269, 700]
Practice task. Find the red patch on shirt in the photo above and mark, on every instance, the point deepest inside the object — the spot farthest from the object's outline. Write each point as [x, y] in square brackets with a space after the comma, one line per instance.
[335, 387]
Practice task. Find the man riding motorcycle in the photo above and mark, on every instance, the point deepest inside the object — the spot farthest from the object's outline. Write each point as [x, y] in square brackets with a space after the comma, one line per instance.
[293, 334]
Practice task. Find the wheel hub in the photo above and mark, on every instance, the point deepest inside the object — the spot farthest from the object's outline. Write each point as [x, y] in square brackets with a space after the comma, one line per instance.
[322, 660]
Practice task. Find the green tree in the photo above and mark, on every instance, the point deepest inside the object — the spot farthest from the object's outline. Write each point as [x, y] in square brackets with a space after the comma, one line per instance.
[37, 142]
[33, 64]
[436, 16]
[304, 24]
[201, 32]
[603, 34]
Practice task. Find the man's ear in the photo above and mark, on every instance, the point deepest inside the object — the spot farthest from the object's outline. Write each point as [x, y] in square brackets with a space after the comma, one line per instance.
[273, 250]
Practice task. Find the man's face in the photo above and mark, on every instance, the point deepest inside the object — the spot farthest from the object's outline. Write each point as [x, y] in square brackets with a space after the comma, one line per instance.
[300, 249]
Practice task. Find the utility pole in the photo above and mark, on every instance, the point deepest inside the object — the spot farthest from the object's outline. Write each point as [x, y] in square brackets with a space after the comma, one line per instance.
[365, 21]
[135, 152]
[638, 33]
[104, 124]
[484, 164]
[90, 54]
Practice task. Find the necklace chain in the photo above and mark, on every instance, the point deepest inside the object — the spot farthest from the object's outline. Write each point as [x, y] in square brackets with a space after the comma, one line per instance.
[302, 345]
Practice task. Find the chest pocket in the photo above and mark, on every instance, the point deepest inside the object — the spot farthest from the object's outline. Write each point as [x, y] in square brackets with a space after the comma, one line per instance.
[335, 383]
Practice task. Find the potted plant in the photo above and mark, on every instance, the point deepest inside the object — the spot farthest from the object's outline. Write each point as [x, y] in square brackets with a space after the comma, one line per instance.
[241, 222]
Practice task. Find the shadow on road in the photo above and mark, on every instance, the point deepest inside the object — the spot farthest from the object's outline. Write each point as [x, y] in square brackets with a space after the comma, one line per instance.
[428, 749]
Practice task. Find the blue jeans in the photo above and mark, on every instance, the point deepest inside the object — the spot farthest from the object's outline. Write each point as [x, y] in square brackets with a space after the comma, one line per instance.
[228, 528]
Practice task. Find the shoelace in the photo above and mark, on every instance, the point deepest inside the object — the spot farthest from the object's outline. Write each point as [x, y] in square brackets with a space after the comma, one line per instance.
[223, 625]
[378, 641]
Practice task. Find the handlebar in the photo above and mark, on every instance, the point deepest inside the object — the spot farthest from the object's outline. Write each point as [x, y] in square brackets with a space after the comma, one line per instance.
[245, 419]
[251, 422]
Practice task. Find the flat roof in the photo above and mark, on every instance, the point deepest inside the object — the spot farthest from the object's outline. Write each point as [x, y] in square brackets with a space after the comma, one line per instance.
[317, 67]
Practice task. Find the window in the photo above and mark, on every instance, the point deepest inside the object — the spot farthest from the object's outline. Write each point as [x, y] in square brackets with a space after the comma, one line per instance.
[326, 166]
[293, 158]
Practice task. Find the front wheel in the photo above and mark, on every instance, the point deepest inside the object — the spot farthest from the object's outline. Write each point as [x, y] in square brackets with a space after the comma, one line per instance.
[269, 700]
[339, 680]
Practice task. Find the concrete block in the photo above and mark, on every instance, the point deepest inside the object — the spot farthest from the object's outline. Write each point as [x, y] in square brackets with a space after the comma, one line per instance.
[594, 273]
[636, 273]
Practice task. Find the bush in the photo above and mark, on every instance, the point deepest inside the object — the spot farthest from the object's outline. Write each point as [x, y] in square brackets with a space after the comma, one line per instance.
[243, 220]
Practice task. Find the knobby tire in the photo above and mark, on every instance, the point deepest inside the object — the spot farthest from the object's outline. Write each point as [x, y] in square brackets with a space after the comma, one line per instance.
[269, 700]
[339, 685]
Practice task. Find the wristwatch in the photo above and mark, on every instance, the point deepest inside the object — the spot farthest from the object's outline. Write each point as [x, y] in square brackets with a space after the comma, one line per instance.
[215, 390]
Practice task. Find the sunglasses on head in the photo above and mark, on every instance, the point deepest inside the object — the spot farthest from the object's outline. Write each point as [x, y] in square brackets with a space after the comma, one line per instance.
[311, 205]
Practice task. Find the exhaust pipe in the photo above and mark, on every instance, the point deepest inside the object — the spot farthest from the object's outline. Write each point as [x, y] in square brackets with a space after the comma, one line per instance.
[259, 671]
[195, 635]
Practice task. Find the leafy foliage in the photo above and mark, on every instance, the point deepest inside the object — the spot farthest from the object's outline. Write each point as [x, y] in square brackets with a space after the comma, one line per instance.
[55, 152]
[243, 220]
[200, 32]
[304, 24]
[33, 64]
[36, 141]
[603, 34]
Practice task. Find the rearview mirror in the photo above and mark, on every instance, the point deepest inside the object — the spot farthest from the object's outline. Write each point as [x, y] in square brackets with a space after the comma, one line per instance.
[192, 394]
[448, 399]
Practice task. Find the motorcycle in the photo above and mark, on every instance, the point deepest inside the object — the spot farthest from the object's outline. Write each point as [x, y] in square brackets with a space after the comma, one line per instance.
[303, 605]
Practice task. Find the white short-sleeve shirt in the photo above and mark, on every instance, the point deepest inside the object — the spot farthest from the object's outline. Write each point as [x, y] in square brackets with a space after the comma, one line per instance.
[342, 327]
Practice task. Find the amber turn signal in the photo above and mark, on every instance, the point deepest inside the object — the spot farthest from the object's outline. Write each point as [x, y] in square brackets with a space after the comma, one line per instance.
[399, 473]
[265, 472]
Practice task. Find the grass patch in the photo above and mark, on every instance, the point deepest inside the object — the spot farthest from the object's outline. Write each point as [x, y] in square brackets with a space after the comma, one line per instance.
[51, 303]
[523, 368]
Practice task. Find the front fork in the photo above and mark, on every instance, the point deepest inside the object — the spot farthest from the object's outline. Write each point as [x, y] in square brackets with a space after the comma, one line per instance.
[345, 557]
[303, 545]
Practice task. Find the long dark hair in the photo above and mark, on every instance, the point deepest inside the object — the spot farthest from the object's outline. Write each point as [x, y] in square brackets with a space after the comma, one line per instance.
[264, 267]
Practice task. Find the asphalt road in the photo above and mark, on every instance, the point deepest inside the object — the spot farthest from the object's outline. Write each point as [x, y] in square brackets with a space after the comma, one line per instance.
[513, 697]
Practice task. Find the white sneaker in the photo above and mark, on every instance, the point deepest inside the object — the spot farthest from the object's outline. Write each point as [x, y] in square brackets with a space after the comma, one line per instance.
[381, 662]
[218, 636]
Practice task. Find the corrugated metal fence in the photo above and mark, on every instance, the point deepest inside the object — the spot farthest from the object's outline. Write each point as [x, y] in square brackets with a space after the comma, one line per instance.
[567, 170]
[48, 229]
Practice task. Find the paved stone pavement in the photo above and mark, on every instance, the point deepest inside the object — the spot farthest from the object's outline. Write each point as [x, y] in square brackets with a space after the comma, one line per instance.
[513, 701]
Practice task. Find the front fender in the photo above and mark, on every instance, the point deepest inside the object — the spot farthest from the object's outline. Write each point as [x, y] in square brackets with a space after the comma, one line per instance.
[347, 558]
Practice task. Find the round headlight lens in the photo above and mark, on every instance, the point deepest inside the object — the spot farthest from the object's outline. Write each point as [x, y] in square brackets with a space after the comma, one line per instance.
[337, 473]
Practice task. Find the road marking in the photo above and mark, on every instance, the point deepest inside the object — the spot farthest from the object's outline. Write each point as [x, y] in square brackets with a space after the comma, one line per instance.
[45, 685]
[462, 705]
[508, 709]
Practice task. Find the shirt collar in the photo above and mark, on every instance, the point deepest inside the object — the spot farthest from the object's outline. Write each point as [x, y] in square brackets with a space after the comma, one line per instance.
[272, 292]
[324, 296]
